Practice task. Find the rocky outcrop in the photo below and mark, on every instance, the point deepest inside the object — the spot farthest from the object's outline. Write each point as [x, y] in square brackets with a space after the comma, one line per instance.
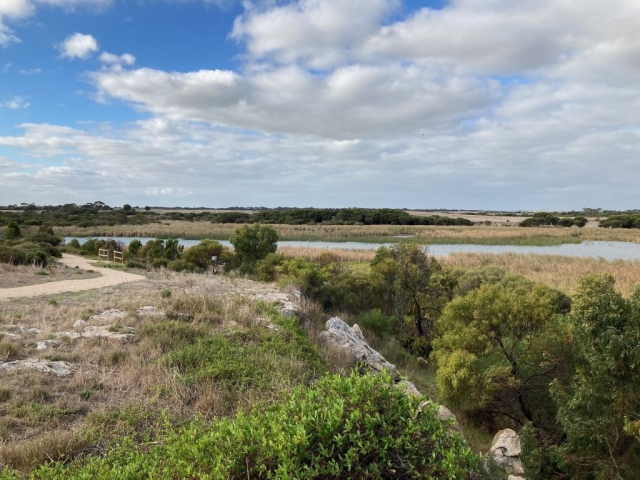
[149, 311]
[61, 369]
[45, 344]
[351, 346]
[109, 315]
[505, 452]
[110, 332]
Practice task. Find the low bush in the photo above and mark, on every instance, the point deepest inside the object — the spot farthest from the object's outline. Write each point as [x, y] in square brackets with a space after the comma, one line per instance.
[354, 427]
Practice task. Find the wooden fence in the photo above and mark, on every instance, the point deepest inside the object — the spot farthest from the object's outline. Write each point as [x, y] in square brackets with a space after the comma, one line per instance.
[116, 256]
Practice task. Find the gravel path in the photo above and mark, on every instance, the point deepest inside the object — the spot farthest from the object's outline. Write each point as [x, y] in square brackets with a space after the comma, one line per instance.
[109, 278]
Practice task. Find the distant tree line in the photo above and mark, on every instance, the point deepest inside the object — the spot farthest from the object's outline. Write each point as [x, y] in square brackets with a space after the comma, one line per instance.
[544, 219]
[621, 221]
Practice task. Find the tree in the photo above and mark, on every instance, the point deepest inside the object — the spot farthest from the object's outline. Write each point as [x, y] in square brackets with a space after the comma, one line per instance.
[500, 347]
[126, 207]
[147, 208]
[135, 246]
[599, 408]
[12, 231]
[172, 249]
[407, 275]
[253, 243]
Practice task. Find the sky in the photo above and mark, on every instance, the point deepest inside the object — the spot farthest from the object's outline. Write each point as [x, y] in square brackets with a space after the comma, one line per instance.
[459, 104]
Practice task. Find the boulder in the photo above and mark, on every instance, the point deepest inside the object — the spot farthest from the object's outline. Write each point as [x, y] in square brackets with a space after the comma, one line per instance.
[61, 369]
[444, 415]
[513, 477]
[28, 331]
[343, 339]
[80, 324]
[505, 452]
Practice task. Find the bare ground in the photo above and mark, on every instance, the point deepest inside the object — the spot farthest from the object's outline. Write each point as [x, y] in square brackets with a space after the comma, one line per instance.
[22, 275]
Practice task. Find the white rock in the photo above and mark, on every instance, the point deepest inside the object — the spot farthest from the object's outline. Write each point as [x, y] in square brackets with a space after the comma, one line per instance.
[26, 330]
[150, 311]
[79, 324]
[505, 451]
[289, 309]
[61, 369]
[125, 334]
[46, 344]
[513, 477]
[12, 336]
[342, 338]
[112, 314]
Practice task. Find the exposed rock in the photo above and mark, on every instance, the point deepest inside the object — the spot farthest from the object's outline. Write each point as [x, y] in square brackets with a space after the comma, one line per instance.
[408, 387]
[12, 336]
[80, 324]
[272, 297]
[61, 369]
[505, 451]
[358, 332]
[109, 315]
[341, 338]
[44, 345]
[123, 334]
[444, 415]
[25, 330]
[513, 477]
[150, 311]
[266, 323]
[289, 309]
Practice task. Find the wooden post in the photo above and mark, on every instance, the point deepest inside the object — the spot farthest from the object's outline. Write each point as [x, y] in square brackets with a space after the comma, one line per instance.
[103, 254]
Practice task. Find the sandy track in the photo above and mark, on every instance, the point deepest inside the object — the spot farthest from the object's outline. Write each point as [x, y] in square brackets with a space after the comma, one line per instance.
[109, 278]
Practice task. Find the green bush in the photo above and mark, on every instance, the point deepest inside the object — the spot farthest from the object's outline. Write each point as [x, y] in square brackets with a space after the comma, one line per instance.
[12, 231]
[199, 256]
[179, 266]
[134, 247]
[132, 264]
[252, 244]
[160, 263]
[74, 243]
[358, 427]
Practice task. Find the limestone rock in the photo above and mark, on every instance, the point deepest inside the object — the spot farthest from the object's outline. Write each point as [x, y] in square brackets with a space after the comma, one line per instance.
[27, 331]
[150, 311]
[11, 336]
[505, 450]
[289, 309]
[109, 315]
[44, 345]
[408, 387]
[513, 477]
[79, 324]
[61, 369]
[444, 415]
[358, 332]
[341, 338]
[123, 334]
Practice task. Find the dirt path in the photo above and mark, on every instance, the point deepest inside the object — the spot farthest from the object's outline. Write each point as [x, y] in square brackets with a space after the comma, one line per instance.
[109, 278]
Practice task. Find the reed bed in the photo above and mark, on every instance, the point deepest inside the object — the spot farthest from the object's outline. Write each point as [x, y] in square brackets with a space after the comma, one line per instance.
[315, 253]
[560, 272]
[368, 233]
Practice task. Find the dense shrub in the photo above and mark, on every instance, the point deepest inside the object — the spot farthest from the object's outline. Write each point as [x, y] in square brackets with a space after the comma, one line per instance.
[621, 221]
[543, 219]
[354, 427]
[199, 256]
[12, 231]
[25, 254]
[252, 244]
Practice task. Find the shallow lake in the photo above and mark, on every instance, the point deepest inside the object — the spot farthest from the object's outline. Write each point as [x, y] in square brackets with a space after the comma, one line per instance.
[606, 250]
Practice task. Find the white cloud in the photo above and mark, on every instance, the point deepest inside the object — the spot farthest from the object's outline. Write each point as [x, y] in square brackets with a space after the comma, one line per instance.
[78, 45]
[7, 67]
[31, 71]
[15, 103]
[117, 61]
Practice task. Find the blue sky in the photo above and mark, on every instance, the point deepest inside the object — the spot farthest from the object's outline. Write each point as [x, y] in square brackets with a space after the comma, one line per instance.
[485, 104]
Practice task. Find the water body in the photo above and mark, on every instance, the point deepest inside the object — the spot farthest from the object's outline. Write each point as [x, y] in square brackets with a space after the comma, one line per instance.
[606, 250]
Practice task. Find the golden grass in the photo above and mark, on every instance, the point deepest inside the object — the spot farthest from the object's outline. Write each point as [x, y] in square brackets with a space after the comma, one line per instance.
[315, 253]
[425, 234]
[560, 272]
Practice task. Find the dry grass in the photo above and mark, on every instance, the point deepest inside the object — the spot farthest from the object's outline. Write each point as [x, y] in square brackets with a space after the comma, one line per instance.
[35, 407]
[374, 233]
[315, 254]
[560, 272]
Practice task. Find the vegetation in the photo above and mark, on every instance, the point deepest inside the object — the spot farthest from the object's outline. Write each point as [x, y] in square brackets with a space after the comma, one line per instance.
[544, 219]
[252, 244]
[621, 221]
[35, 249]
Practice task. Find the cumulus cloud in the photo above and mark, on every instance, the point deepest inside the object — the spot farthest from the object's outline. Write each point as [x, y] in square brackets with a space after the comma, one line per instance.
[78, 45]
[481, 104]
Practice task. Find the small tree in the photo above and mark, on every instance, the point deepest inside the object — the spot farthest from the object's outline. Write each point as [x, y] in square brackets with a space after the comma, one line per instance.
[135, 246]
[126, 207]
[253, 243]
[13, 231]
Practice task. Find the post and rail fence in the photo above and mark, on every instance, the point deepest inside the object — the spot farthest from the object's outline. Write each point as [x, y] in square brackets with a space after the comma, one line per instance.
[116, 256]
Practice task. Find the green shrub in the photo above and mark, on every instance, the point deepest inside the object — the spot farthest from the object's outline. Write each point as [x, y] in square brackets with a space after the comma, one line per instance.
[358, 427]
[165, 293]
[74, 243]
[160, 263]
[199, 256]
[12, 231]
[376, 321]
[135, 246]
[132, 264]
[179, 266]
[252, 244]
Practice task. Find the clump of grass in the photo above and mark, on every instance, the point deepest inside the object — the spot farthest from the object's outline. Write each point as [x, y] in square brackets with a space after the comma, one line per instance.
[166, 293]
[5, 394]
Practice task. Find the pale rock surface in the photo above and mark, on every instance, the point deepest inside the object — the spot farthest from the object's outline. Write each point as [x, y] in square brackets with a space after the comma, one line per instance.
[505, 451]
[513, 477]
[124, 334]
[80, 324]
[109, 315]
[150, 311]
[26, 330]
[44, 345]
[12, 336]
[342, 338]
[61, 369]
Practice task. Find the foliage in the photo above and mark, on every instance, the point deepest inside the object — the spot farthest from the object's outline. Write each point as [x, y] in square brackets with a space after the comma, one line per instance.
[134, 247]
[413, 283]
[377, 322]
[543, 219]
[199, 256]
[27, 253]
[12, 231]
[621, 221]
[600, 408]
[253, 243]
[501, 345]
[353, 427]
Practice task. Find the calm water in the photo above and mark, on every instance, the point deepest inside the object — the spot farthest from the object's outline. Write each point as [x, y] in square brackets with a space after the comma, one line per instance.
[606, 250]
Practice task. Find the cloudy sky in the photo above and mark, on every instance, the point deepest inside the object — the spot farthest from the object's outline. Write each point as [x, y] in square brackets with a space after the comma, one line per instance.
[488, 104]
